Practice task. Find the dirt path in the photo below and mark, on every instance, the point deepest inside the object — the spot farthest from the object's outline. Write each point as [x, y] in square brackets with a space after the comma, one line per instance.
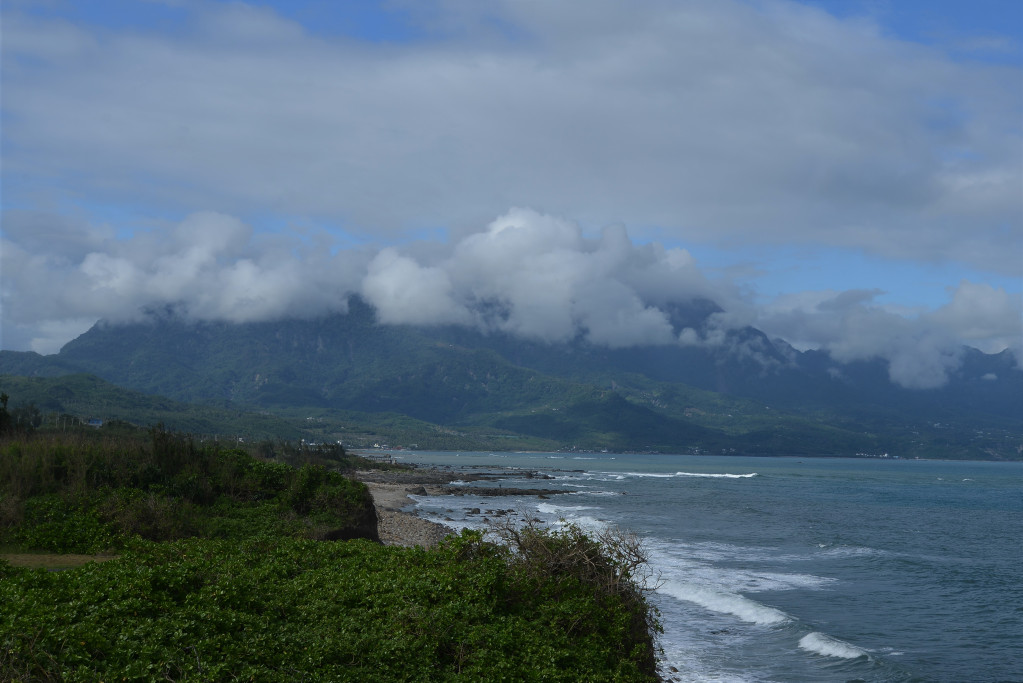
[51, 560]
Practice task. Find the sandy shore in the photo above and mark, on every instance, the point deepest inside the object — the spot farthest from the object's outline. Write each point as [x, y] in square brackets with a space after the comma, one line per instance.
[390, 494]
[391, 489]
[402, 528]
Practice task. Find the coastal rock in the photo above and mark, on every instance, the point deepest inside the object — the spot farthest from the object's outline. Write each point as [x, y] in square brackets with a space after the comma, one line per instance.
[491, 491]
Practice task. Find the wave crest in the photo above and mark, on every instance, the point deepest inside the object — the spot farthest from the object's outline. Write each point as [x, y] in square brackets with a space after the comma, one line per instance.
[830, 647]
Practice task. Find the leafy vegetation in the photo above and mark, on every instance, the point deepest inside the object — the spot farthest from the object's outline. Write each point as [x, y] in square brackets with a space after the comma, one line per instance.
[219, 576]
[283, 609]
[66, 400]
[88, 493]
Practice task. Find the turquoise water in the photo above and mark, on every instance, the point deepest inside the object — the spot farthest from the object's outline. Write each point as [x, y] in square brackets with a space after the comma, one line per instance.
[799, 569]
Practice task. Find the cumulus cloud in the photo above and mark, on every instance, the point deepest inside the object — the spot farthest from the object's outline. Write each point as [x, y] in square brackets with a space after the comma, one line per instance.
[720, 121]
[983, 316]
[526, 273]
[209, 266]
[706, 122]
[921, 348]
[402, 291]
[537, 276]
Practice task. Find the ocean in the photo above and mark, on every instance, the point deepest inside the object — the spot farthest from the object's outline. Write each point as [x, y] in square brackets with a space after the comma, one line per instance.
[796, 569]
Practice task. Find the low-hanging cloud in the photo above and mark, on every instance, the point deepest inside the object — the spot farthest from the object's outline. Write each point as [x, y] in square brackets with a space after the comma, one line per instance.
[921, 347]
[537, 276]
[707, 122]
[526, 273]
[211, 266]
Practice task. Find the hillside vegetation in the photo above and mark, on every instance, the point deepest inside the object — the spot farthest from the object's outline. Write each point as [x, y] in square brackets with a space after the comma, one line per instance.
[345, 377]
[228, 567]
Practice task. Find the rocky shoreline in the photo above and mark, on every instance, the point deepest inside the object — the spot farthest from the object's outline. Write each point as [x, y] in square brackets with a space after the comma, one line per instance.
[391, 488]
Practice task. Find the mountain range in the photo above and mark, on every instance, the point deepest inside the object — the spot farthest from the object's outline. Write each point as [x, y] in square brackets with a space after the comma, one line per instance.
[457, 385]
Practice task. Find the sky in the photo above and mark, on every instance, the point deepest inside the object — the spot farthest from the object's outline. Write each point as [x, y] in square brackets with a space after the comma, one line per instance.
[845, 175]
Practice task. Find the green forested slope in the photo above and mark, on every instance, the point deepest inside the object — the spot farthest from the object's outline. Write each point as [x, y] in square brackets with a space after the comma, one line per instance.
[478, 390]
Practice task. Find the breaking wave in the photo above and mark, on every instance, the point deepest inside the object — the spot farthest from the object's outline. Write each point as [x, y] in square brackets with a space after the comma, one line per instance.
[726, 603]
[830, 647]
[709, 475]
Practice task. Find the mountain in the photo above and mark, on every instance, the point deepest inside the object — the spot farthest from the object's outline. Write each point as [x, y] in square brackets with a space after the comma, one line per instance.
[745, 394]
[86, 396]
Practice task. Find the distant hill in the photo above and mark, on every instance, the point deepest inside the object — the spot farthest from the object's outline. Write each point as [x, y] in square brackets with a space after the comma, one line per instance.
[749, 394]
[88, 397]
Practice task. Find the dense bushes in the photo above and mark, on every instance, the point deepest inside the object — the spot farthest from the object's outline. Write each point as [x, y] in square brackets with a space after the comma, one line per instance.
[610, 562]
[79, 494]
[243, 593]
[273, 609]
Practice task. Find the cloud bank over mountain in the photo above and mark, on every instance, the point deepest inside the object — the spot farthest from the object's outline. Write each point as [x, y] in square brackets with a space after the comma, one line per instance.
[526, 273]
[243, 161]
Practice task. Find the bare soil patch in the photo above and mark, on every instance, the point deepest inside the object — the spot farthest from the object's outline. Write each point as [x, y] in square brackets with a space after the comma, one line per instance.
[51, 560]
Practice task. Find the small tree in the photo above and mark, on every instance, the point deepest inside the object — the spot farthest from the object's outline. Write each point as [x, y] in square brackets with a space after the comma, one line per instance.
[6, 425]
[26, 419]
[611, 561]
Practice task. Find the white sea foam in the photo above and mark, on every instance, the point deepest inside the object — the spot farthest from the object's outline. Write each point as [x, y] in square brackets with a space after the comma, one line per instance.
[725, 602]
[691, 566]
[849, 551]
[714, 551]
[549, 509]
[648, 475]
[584, 522]
[830, 647]
[709, 475]
[778, 581]
[716, 476]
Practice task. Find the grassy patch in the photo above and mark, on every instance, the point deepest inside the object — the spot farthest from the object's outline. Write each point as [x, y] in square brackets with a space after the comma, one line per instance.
[51, 560]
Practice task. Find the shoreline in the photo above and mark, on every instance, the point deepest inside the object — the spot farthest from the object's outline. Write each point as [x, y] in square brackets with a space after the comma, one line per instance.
[391, 490]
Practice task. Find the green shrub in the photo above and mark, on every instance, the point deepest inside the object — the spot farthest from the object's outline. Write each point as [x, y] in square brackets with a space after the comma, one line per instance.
[55, 524]
[152, 515]
[165, 488]
[246, 595]
[269, 476]
[278, 609]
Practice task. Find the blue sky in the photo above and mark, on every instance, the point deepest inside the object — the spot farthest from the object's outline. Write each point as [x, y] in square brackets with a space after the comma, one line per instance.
[844, 174]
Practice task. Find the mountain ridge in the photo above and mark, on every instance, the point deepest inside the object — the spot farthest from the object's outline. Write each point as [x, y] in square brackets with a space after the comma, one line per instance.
[746, 392]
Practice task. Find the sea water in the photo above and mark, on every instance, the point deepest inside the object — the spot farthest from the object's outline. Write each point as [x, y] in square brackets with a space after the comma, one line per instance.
[796, 569]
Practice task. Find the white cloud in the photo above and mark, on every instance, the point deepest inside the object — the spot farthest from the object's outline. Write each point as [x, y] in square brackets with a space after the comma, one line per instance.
[724, 121]
[983, 316]
[527, 273]
[209, 266]
[921, 349]
[719, 122]
[404, 292]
